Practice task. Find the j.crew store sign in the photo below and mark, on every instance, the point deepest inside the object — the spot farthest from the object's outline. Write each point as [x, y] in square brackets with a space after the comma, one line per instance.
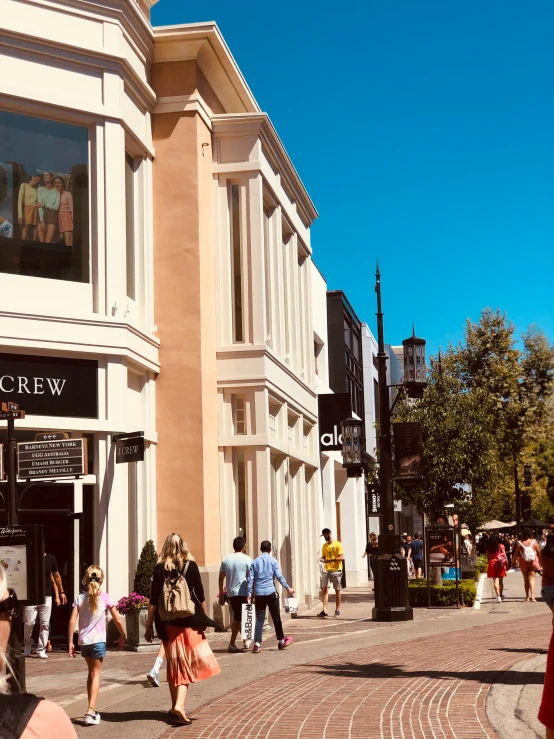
[50, 386]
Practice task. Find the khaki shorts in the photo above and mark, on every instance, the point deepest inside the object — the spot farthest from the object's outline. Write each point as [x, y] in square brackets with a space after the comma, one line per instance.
[334, 577]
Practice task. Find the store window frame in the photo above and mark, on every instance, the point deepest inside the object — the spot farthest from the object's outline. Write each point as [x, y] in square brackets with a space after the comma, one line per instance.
[236, 249]
[78, 211]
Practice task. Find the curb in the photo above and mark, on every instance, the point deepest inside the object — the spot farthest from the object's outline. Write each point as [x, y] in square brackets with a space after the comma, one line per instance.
[480, 588]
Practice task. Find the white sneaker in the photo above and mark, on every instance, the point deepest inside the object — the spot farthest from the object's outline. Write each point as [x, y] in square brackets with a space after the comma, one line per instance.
[499, 599]
[92, 719]
[42, 655]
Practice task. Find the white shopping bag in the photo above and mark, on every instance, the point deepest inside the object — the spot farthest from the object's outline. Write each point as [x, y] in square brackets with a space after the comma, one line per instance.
[247, 622]
[291, 605]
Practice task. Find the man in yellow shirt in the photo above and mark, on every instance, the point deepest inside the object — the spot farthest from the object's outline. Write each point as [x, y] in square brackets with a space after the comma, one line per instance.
[332, 556]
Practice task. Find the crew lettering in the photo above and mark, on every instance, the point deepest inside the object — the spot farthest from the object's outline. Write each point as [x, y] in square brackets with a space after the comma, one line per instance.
[31, 386]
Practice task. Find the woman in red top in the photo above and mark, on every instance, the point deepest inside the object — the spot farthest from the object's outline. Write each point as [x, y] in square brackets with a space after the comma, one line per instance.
[498, 564]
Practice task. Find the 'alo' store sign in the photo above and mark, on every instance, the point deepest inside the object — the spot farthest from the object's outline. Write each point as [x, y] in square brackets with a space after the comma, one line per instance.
[50, 386]
[332, 409]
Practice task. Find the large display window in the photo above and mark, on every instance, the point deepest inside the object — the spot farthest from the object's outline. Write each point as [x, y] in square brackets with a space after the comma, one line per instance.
[44, 198]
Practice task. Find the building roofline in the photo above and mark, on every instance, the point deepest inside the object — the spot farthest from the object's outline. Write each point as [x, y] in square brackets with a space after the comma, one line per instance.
[204, 43]
[274, 150]
[347, 303]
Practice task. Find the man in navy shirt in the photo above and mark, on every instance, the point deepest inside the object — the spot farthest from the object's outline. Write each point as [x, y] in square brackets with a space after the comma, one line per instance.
[416, 547]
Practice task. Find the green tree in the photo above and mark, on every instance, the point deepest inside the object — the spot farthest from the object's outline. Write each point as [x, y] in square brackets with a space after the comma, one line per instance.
[486, 402]
[143, 575]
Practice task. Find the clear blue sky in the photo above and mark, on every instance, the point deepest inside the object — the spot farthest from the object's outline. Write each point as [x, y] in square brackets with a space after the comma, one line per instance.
[424, 133]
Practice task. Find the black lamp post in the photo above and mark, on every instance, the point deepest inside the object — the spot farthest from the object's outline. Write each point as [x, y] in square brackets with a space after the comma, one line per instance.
[414, 366]
[352, 446]
[391, 576]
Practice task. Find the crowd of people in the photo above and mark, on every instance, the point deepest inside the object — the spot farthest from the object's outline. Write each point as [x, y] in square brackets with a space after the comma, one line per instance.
[178, 613]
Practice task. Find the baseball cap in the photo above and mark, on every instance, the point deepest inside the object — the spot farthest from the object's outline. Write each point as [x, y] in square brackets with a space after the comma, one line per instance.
[325, 531]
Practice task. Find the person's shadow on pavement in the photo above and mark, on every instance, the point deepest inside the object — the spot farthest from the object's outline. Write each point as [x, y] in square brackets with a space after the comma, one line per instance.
[119, 717]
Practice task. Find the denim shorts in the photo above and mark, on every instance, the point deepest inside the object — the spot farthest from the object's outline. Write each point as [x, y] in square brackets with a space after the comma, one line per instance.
[96, 651]
[547, 594]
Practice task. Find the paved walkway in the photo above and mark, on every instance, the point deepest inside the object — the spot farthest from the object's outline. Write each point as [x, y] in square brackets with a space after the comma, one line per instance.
[428, 688]
[347, 678]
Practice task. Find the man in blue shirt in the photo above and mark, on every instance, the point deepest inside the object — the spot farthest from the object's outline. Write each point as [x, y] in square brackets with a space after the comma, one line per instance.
[261, 581]
[234, 570]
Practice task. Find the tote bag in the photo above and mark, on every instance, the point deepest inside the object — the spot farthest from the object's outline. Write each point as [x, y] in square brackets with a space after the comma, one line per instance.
[247, 622]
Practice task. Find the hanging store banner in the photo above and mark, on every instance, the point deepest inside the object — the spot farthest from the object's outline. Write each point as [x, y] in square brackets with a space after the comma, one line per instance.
[1, 461]
[41, 460]
[50, 386]
[332, 409]
[129, 450]
[408, 452]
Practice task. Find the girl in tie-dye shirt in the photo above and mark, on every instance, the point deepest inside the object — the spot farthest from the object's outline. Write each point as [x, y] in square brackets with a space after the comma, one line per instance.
[92, 607]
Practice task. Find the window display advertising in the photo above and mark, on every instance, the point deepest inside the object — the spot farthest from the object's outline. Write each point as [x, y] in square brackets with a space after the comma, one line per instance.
[22, 559]
[44, 198]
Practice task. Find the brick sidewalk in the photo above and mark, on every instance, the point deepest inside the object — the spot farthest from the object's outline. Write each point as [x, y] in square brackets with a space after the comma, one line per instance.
[63, 680]
[429, 687]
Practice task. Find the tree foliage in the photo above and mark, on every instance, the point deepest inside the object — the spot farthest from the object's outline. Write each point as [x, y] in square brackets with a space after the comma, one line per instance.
[143, 575]
[486, 407]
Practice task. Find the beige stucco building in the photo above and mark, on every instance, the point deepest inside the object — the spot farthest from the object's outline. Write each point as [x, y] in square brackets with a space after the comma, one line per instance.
[169, 277]
[236, 399]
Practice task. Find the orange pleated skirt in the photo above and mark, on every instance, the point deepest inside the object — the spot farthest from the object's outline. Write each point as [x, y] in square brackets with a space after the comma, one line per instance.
[189, 657]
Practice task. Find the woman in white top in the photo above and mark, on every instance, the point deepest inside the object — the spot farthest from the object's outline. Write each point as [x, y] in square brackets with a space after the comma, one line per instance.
[526, 557]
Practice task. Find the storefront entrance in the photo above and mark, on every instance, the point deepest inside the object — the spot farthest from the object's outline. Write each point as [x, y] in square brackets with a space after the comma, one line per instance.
[52, 506]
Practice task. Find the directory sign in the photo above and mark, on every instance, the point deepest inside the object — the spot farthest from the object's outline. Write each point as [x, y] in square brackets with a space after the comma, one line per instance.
[51, 459]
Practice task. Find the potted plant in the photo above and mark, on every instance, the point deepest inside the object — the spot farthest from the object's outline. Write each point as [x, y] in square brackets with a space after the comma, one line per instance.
[135, 605]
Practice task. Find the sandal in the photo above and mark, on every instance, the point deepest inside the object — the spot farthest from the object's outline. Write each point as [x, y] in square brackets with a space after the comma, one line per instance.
[182, 720]
[48, 646]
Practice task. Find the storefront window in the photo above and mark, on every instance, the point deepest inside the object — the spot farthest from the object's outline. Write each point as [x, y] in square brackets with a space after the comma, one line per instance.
[44, 198]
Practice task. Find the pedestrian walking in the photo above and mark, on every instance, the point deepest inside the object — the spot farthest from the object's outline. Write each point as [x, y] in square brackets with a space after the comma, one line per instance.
[542, 540]
[25, 716]
[153, 676]
[261, 584]
[44, 611]
[547, 565]
[92, 608]
[417, 555]
[234, 571]
[372, 551]
[498, 565]
[178, 608]
[526, 556]
[332, 555]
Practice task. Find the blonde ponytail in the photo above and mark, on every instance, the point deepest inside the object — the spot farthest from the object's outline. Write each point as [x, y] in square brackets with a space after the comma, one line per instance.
[93, 579]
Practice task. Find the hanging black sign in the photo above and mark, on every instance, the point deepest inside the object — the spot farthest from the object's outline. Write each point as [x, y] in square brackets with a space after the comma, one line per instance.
[332, 409]
[408, 452]
[1, 461]
[51, 459]
[129, 450]
[50, 386]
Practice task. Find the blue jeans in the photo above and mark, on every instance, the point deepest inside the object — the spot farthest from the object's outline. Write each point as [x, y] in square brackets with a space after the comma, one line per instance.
[96, 651]
[260, 604]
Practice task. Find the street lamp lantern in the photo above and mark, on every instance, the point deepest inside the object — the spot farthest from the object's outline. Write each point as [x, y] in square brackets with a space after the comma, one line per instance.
[352, 446]
[414, 366]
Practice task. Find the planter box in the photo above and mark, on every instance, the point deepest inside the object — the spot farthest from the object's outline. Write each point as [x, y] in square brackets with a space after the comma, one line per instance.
[135, 623]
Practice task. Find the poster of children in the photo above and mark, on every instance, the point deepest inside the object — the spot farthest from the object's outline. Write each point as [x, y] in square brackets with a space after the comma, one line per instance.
[14, 561]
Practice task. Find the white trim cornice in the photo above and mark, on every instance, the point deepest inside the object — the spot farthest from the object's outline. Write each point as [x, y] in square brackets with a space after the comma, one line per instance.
[231, 125]
[182, 103]
[204, 43]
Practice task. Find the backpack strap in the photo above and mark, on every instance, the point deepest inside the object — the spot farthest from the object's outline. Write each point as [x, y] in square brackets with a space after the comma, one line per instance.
[16, 711]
